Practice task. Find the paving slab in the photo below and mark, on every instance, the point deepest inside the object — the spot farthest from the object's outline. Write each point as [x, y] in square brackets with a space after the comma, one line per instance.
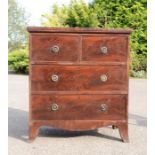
[51, 141]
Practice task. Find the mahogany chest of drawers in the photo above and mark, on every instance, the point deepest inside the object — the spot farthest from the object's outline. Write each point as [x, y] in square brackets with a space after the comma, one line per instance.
[78, 79]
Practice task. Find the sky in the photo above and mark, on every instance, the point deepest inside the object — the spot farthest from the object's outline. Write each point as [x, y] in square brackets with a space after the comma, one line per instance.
[38, 7]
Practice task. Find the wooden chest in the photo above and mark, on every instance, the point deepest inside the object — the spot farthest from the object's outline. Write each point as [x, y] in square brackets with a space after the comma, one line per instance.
[78, 79]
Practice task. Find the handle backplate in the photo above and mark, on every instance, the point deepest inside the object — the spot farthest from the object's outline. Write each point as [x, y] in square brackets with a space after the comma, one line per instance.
[104, 107]
[54, 107]
[55, 78]
[104, 50]
[54, 49]
[103, 77]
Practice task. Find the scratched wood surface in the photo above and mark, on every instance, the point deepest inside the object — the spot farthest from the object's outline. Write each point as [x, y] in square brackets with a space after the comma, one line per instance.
[68, 47]
[79, 107]
[116, 48]
[79, 92]
[73, 78]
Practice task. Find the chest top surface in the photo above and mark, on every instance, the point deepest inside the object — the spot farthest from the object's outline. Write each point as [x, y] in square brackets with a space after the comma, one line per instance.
[77, 30]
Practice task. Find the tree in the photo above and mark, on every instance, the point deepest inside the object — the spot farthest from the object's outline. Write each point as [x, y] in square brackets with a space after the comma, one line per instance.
[18, 20]
[81, 15]
[57, 18]
[126, 14]
[77, 14]
[108, 14]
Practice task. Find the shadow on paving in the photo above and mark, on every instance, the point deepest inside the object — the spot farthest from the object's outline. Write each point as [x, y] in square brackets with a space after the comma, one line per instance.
[18, 124]
[140, 121]
[18, 127]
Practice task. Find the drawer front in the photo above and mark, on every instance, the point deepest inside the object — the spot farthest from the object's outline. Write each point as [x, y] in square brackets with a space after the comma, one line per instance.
[83, 78]
[103, 78]
[79, 107]
[54, 78]
[50, 47]
[104, 48]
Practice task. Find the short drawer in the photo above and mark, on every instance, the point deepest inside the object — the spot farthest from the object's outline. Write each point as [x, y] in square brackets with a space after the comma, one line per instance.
[79, 107]
[54, 47]
[104, 48]
[78, 78]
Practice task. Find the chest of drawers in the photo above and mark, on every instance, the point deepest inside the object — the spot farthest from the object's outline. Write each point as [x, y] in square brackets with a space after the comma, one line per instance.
[78, 79]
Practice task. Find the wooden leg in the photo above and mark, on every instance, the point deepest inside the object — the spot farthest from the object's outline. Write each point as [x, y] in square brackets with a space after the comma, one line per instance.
[33, 131]
[114, 127]
[123, 130]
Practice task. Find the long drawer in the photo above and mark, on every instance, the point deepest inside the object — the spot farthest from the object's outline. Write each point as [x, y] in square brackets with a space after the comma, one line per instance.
[78, 107]
[78, 78]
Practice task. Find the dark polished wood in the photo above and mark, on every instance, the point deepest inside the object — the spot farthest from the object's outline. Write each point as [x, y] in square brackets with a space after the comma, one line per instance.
[116, 48]
[78, 79]
[42, 44]
[79, 107]
[32, 29]
[73, 78]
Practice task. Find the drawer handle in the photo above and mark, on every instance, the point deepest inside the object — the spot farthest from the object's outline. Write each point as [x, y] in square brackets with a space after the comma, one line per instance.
[103, 78]
[104, 107]
[104, 50]
[55, 78]
[54, 49]
[54, 107]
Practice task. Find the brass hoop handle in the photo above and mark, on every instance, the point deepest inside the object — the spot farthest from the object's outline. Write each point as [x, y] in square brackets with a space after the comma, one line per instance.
[104, 50]
[54, 107]
[55, 78]
[103, 77]
[54, 49]
[104, 107]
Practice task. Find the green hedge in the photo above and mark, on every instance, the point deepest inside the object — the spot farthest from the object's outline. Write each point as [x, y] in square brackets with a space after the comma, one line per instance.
[18, 61]
[108, 14]
[103, 14]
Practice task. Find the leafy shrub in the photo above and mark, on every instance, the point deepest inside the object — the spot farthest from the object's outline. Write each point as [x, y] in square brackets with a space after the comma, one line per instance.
[18, 61]
[107, 14]
[127, 14]
[77, 14]
[138, 74]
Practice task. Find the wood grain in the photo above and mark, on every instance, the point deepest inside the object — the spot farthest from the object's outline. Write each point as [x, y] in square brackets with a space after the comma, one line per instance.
[68, 47]
[73, 78]
[32, 29]
[116, 48]
[79, 107]
[79, 92]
